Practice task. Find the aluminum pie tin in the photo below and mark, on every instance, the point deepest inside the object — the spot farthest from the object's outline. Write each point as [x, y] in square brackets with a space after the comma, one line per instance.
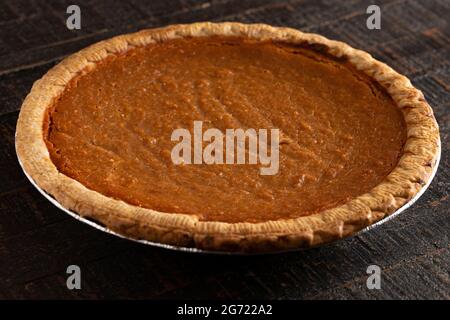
[196, 250]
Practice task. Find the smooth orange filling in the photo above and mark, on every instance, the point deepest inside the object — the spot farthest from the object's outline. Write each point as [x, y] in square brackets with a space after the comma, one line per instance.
[341, 133]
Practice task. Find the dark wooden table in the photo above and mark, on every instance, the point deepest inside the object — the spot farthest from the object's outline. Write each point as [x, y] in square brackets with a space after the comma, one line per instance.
[38, 241]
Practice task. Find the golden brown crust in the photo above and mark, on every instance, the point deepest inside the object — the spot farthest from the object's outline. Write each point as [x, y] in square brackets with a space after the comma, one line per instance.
[411, 174]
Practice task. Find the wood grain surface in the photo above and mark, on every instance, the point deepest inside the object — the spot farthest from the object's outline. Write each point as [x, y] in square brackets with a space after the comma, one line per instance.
[38, 241]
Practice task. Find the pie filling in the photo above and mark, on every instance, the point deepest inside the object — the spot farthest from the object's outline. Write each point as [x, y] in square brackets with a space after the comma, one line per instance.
[341, 134]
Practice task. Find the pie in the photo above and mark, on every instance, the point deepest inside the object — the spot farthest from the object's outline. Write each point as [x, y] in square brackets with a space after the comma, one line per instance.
[356, 140]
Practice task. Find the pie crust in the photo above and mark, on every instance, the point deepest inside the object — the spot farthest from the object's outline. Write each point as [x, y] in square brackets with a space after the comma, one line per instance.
[411, 174]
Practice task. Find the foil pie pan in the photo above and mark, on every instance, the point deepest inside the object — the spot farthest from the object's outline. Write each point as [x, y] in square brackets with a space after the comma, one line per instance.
[196, 250]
